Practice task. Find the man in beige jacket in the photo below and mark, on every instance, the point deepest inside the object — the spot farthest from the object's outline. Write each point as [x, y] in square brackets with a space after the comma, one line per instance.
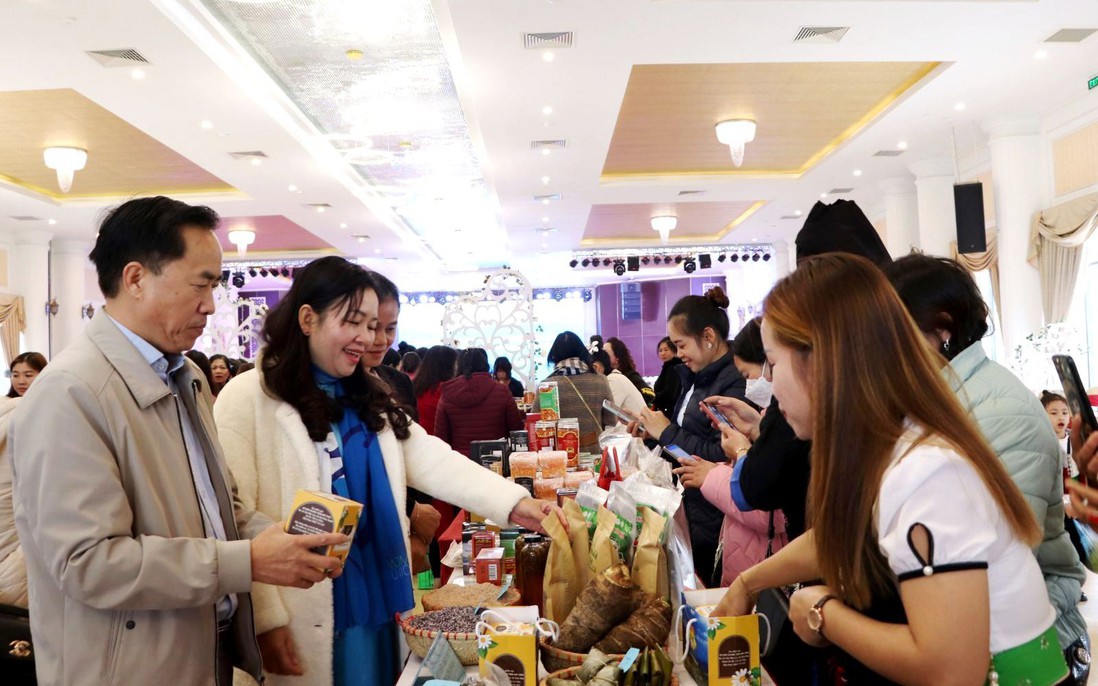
[139, 554]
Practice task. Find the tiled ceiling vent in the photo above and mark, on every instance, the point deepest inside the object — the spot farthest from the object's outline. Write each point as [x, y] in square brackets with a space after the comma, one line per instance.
[690, 192]
[558, 144]
[26, 218]
[1070, 35]
[123, 57]
[543, 198]
[315, 205]
[821, 34]
[248, 155]
[888, 153]
[839, 191]
[543, 41]
[791, 216]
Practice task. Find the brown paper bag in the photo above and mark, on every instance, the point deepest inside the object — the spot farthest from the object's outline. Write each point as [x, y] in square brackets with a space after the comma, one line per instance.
[646, 561]
[604, 552]
[581, 542]
[560, 585]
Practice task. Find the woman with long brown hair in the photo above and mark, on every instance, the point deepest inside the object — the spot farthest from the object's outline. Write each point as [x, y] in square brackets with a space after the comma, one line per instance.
[909, 507]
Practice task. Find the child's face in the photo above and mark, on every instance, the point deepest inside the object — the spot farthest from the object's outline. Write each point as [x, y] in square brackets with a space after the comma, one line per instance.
[1060, 417]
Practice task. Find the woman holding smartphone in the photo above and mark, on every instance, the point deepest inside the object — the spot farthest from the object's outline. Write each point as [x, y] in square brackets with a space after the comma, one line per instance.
[698, 326]
[920, 536]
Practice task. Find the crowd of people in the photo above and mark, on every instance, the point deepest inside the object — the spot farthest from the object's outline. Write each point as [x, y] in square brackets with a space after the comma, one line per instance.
[855, 441]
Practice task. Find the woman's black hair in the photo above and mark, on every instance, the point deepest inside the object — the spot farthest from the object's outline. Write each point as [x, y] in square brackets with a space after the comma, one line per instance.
[1048, 397]
[941, 295]
[230, 363]
[385, 289]
[437, 366]
[202, 362]
[391, 359]
[696, 313]
[36, 361]
[331, 286]
[502, 364]
[473, 361]
[409, 362]
[603, 358]
[748, 343]
[568, 345]
[666, 340]
[626, 365]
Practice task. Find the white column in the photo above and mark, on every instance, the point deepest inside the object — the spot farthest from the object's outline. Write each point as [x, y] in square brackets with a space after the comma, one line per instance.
[934, 179]
[901, 215]
[1019, 176]
[70, 263]
[31, 279]
[784, 259]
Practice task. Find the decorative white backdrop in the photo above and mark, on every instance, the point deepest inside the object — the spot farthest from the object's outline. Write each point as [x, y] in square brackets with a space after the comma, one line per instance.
[234, 328]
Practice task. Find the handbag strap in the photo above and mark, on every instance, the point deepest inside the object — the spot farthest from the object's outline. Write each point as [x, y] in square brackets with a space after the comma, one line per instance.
[580, 396]
[770, 535]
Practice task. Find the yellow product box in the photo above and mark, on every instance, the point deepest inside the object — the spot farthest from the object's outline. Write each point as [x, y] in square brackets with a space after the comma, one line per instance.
[507, 645]
[719, 651]
[316, 512]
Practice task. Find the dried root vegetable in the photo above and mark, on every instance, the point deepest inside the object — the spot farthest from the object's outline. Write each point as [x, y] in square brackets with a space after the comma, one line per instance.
[606, 602]
[649, 625]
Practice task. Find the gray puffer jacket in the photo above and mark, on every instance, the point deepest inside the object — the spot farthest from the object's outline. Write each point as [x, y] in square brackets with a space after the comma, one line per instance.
[1014, 423]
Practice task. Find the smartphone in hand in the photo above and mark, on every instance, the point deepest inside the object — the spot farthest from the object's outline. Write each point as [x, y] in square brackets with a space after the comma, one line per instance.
[619, 412]
[1076, 393]
[678, 453]
[715, 415]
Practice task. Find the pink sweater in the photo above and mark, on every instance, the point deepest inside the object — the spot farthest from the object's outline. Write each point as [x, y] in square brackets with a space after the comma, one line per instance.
[744, 533]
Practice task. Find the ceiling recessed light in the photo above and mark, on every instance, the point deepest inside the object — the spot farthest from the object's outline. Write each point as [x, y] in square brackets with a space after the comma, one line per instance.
[754, 240]
[547, 110]
[797, 213]
[353, 54]
[857, 172]
[546, 152]
[207, 124]
[320, 209]
[902, 145]
[292, 188]
[548, 56]
[256, 161]
[545, 180]
[343, 225]
[823, 195]
[1040, 55]
[959, 107]
[377, 251]
[361, 239]
[545, 201]
[545, 219]
[51, 222]
[137, 74]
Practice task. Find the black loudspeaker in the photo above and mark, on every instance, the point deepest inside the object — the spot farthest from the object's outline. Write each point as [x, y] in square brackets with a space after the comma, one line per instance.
[705, 260]
[968, 200]
[633, 263]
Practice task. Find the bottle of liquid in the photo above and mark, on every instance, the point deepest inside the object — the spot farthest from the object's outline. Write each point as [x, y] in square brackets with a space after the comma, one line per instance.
[531, 566]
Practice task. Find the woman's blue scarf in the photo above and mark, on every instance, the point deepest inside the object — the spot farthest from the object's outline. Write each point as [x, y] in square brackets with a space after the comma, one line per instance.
[376, 583]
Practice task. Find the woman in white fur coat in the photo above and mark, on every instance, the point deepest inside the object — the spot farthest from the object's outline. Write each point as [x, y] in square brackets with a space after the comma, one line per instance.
[309, 418]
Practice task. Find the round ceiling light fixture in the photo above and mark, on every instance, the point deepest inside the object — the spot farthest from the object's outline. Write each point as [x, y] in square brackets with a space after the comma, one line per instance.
[665, 224]
[736, 133]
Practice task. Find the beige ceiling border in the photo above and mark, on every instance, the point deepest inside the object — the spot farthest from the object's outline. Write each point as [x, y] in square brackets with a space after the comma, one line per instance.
[74, 200]
[692, 239]
[904, 89]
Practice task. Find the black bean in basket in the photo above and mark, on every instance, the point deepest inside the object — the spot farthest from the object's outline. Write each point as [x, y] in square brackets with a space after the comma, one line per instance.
[451, 620]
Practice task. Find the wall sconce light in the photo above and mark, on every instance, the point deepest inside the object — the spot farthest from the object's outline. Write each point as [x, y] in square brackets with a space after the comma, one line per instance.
[241, 238]
[52, 307]
[87, 311]
[66, 161]
[736, 133]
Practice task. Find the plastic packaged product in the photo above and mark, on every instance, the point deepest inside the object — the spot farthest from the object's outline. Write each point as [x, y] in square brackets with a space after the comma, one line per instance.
[549, 400]
[524, 464]
[546, 433]
[507, 540]
[546, 489]
[590, 498]
[568, 439]
[575, 479]
[565, 494]
[553, 464]
[532, 418]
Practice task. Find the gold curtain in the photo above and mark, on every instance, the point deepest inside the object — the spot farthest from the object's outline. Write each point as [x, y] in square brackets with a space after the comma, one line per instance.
[12, 322]
[978, 261]
[1056, 241]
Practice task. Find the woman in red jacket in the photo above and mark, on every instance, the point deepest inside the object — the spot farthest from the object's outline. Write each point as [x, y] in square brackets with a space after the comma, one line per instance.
[474, 407]
[437, 366]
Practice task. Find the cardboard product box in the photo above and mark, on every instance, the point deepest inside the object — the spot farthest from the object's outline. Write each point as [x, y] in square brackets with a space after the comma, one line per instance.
[489, 565]
[549, 401]
[507, 645]
[316, 512]
[720, 651]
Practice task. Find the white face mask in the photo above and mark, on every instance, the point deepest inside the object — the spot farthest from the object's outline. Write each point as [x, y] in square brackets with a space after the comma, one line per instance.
[758, 391]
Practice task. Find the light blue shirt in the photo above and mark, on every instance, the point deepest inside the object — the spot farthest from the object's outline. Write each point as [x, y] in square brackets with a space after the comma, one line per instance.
[165, 367]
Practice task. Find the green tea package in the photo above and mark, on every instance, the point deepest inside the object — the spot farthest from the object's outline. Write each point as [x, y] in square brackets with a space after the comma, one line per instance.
[590, 498]
[624, 507]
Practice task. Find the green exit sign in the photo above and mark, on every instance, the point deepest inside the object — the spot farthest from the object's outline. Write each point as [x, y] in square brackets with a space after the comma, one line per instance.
[1093, 83]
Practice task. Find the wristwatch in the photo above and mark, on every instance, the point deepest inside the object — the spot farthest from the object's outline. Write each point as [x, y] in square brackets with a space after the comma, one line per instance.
[816, 615]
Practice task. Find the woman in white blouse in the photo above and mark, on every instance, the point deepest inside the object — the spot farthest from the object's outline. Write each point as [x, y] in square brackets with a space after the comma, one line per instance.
[921, 538]
[626, 395]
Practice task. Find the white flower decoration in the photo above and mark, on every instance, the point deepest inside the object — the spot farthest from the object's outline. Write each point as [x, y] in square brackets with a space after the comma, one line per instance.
[484, 642]
[713, 624]
[741, 678]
